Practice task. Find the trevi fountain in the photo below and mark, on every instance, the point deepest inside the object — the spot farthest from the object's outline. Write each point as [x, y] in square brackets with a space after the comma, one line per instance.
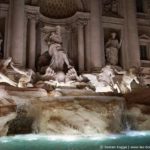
[74, 75]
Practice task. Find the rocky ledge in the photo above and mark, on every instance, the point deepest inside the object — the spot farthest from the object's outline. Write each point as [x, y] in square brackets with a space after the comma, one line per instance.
[80, 115]
[71, 111]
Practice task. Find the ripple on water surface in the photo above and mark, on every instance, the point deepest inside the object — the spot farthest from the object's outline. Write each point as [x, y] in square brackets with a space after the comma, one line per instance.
[129, 140]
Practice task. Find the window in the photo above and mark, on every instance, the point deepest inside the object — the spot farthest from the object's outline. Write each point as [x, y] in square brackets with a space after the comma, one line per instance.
[144, 41]
[139, 6]
[143, 52]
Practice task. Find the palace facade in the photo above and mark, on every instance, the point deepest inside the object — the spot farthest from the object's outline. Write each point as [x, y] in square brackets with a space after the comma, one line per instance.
[86, 28]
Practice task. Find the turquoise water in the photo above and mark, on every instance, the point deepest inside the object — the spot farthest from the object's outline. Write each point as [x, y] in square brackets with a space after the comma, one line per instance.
[129, 140]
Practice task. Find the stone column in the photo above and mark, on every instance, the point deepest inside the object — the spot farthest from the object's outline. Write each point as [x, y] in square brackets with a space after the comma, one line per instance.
[32, 42]
[81, 46]
[17, 34]
[97, 39]
[87, 47]
[132, 32]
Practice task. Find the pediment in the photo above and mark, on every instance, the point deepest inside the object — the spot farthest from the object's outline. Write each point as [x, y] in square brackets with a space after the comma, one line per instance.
[144, 37]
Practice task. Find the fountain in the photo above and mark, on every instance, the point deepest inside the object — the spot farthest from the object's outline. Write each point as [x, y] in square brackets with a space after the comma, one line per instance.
[63, 110]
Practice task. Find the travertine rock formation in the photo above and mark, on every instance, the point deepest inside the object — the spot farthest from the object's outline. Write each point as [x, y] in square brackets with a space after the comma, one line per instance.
[139, 117]
[82, 115]
[73, 111]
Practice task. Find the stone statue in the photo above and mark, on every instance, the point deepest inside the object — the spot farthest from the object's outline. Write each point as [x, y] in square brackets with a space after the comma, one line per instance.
[59, 58]
[107, 76]
[55, 36]
[127, 78]
[49, 75]
[61, 79]
[5, 79]
[112, 48]
[55, 56]
[4, 63]
[26, 76]
[104, 81]
[72, 75]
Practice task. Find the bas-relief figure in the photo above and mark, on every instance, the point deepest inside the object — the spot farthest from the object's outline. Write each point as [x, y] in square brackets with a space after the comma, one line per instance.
[110, 7]
[112, 48]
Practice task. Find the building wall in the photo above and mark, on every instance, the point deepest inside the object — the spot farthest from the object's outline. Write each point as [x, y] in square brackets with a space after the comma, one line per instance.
[101, 17]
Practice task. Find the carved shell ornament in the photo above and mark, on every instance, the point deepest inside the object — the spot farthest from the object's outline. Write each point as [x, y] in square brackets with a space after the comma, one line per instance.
[49, 8]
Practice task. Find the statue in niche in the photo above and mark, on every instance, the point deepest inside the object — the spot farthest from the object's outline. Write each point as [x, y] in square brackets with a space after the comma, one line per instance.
[110, 7]
[55, 54]
[59, 58]
[112, 48]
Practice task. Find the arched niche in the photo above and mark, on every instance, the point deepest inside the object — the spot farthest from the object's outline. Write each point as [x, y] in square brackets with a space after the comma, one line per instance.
[69, 33]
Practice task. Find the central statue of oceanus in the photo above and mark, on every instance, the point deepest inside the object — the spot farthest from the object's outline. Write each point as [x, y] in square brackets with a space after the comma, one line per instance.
[55, 57]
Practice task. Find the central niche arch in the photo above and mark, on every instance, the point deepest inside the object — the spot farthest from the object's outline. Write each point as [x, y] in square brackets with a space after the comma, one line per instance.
[71, 28]
[71, 15]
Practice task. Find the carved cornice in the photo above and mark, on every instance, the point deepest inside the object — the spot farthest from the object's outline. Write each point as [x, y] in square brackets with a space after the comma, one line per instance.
[144, 22]
[144, 38]
[113, 20]
[80, 18]
[32, 12]
[79, 23]
[82, 22]
[4, 7]
[70, 20]
[4, 10]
